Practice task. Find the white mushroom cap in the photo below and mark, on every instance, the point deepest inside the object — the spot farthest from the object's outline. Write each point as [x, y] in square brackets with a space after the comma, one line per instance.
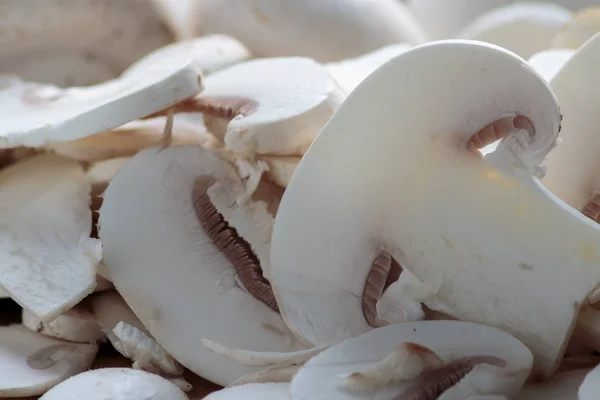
[77, 44]
[562, 386]
[590, 386]
[325, 30]
[36, 115]
[76, 325]
[253, 391]
[581, 28]
[115, 384]
[549, 62]
[483, 255]
[173, 302]
[47, 259]
[523, 28]
[340, 372]
[31, 363]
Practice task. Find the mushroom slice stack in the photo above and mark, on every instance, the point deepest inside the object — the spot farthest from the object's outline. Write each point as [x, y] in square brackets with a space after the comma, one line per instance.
[31, 363]
[47, 259]
[425, 360]
[580, 28]
[76, 325]
[480, 257]
[524, 28]
[549, 62]
[115, 384]
[326, 30]
[253, 391]
[203, 255]
[77, 44]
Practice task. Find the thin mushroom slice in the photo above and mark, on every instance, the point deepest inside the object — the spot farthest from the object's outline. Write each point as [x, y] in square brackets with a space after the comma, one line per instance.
[269, 375]
[31, 363]
[524, 27]
[115, 384]
[66, 44]
[325, 30]
[193, 194]
[584, 25]
[426, 360]
[47, 259]
[562, 386]
[253, 391]
[512, 234]
[549, 62]
[76, 325]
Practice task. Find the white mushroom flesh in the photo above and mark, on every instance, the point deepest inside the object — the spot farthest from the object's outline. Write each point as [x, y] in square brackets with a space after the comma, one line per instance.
[76, 325]
[253, 391]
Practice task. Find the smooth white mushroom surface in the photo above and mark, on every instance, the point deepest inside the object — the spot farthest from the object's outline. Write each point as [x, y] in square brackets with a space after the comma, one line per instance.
[31, 363]
[581, 28]
[590, 386]
[115, 384]
[562, 386]
[549, 62]
[253, 391]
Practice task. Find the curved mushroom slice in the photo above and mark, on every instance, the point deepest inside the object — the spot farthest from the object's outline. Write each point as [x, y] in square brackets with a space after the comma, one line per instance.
[67, 44]
[581, 28]
[590, 386]
[115, 384]
[253, 391]
[524, 28]
[47, 259]
[562, 386]
[350, 73]
[549, 62]
[481, 256]
[76, 325]
[36, 115]
[325, 30]
[31, 363]
[424, 360]
[587, 331]
[269, 375]
[206, 240]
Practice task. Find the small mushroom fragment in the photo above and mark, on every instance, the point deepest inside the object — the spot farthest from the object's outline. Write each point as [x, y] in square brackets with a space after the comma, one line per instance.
[549, 62]
[253, 391]
[76, 325]
[590, 386]
[66, 44]
[417, 360]
[193, 194]
[31, 363]
[47, 259]
[481, 256]
[580, 28]
[562, 386]
[115, 384]
[524, 28]
[325, 30]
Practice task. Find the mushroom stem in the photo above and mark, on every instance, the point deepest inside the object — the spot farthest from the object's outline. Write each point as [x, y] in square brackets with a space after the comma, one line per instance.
[498, 130]
[273, 375]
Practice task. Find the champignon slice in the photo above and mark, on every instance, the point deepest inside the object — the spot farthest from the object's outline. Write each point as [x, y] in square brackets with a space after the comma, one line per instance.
[47, 259]
[31, 363]
[325, 30]
[483, 255]
[36, 115]
[67, 44]
[524, 27]
[193, 194]
[253, 391]
[590, 386]
[280, 168]
[115, 384]
[581, 27]
[549, 62]
[76, 325]
[562, 386]
[423, 360]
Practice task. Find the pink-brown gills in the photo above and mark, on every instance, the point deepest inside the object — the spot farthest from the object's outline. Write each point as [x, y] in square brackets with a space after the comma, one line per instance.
[592, 209]
[498, 130]
[385, 270]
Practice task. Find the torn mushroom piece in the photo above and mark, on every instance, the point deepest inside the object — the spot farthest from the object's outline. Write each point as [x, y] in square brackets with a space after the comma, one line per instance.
[424, 360]
[549, 62]
[76, 325]
[47, 259]
[215, 250]
[253, 391]
[66, 44]
[115, 384]
[323, 245]
[584, 25]
[326, 31]
[31, 363]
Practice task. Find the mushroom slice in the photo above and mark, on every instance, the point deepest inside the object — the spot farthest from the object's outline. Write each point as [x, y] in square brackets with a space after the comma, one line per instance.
[584, 25]
[101, 172]
[178, 228]
[253, 391]
[280, 168]
[115, 384]
[549, 62]
[587, 331]
[590, 386]
[36, 115]
[417, 360]
[562, 386]
[323, 245]
[274, 375]
[76, 325]
[325, 30]
[524, 28]
[67, 44]
[31, 363]
[349, 73]
[47, 259]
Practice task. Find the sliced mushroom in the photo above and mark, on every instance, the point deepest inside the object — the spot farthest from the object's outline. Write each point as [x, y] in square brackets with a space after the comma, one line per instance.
[253, 391]
[31, 363]
[562, 386]
[193, 194]
[47, 259]
[482, 256]
[76, 325]
[582, 27]
[77, 44]
[587, 331]
[524, 27]
[417, 360]
[324, 30]
[549, 62]
[115, 384]
[590, 386]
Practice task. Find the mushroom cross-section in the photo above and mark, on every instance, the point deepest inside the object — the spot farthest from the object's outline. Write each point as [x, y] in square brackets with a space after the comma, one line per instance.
[481, 256]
